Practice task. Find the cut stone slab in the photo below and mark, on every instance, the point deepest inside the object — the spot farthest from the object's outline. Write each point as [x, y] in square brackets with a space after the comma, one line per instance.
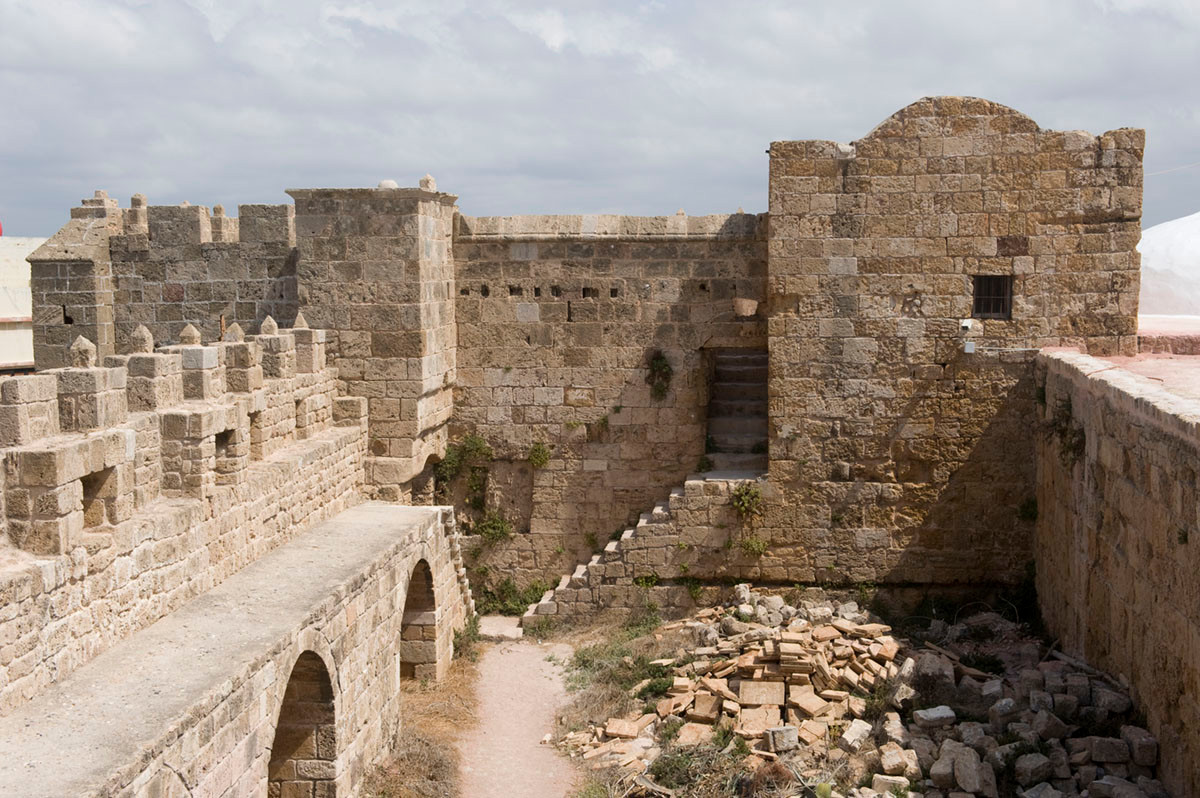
[1031, 769]
[782, 738]
[622, 729]
[755, 694]
[693, 734]
[705, 709]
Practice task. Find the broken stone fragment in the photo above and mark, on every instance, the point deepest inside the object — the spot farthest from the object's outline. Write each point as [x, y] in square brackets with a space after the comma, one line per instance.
[887, 785]
[1143, 748]
[1031, 768]
[82, 353]
[935, 717]
[855, 735]
[782, 738]
[1042, 790]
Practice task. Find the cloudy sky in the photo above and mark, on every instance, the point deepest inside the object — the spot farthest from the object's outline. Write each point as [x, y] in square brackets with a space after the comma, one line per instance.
[527, 107]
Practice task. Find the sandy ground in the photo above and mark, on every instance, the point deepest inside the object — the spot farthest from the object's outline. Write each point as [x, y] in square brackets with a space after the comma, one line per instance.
[502, 756]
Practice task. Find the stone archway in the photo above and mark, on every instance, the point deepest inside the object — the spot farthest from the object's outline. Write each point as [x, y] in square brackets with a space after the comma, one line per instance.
[304, 752]
[418, 630]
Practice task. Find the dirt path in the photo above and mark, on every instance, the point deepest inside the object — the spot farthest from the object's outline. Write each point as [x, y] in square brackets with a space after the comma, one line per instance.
[502, 756]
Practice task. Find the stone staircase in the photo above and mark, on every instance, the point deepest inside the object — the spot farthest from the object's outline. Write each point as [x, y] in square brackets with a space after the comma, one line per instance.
[696, 518]
[737, 411]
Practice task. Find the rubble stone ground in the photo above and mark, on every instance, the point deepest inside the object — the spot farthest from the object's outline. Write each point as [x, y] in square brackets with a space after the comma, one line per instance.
[811, 695]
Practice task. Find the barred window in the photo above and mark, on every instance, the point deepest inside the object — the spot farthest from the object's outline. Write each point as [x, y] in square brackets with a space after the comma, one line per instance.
[993, 297]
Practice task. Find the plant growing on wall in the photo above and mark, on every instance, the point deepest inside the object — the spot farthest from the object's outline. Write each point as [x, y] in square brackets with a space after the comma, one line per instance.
[658, 375]
[493, 527]
[539, 455]
[747, 500]
[753, 546]
[1072, 439]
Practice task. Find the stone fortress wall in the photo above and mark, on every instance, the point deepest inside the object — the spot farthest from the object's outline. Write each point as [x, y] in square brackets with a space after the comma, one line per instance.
[1117, 540]
[902, 440]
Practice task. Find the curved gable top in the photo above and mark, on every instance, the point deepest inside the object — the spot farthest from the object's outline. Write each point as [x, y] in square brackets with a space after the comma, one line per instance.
[952, 116]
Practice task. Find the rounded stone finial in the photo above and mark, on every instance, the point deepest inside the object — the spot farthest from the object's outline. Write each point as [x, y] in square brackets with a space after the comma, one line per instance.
[83, 353]
[189, 336]
[388, 184]
[739, 210]
[141, 342]
[137, 201]
[218, 210]
[185, 204]
[300, 323]
[680, 212]
[100, 194]
[428, 183]
[269, 327]
[234, 334]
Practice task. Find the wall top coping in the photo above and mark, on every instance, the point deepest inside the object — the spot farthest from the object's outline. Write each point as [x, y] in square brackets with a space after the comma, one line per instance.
[372, 193]
[1140, 396]
[679, 226]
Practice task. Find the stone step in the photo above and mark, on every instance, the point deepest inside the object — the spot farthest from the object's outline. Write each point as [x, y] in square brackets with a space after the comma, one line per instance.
[726, 391]
[738, 425]
[755, 356]
[738, 443]
[730, 461]
[737, 408]
[741, 372]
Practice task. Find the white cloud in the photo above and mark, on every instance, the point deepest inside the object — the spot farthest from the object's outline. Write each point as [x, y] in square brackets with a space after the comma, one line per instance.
[525, 106]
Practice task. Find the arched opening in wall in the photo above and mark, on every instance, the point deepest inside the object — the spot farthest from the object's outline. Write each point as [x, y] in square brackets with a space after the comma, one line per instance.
[424, 485]
[418, 629]
[304, 753]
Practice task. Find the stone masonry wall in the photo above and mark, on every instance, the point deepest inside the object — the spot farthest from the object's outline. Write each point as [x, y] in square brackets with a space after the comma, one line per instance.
[133, 487]
[1117, 542]
[112, 269]
[898, 456]
[557, 320]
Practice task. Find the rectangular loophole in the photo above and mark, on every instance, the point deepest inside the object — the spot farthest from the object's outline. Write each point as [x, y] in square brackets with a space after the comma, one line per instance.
[993, 296]
[97, 487]
[515, 290]
[590, 293]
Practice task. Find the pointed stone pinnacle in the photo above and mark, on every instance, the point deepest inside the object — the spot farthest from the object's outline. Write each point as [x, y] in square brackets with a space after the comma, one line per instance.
[234, 334]
[141, 341]
[269, 327]
[83, 353]
[189, 336]
[300, 323]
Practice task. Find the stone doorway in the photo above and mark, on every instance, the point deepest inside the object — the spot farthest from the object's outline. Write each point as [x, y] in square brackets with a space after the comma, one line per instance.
[737, 410]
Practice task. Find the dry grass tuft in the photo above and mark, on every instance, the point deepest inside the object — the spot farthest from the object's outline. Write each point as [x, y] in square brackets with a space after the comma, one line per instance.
[424, 759]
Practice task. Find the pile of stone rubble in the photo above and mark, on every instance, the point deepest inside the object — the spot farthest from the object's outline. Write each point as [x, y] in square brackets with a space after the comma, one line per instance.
[825, 691]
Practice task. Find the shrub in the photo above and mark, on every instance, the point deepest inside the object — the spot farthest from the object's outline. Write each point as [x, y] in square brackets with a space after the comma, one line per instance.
[705, 464]
[658, 376]
[466, 639]
[505, 598]
[493, 527]
[539, 455]
[753, 546]
[747, 500]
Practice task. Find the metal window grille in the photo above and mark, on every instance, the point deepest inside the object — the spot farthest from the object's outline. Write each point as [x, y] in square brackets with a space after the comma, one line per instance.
[993, 297]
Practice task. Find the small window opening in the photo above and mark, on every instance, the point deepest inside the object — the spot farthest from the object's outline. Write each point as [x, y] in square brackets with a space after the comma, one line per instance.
[464, 291]
[515, 290]
[97, 487]
[614, 292]
[703, 286]
[590, 293]
[67, 316]
[555, 291]
[993, 296]
[537, 291]
[483, 291]
[256, 436]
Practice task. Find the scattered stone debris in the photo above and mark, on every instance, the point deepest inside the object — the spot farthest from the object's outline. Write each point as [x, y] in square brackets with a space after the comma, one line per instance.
[827, 699]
